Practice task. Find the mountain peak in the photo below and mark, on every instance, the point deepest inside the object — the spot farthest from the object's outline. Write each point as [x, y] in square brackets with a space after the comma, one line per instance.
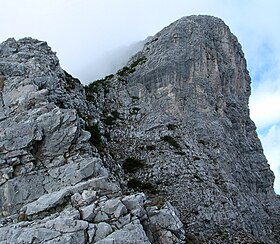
[182, 106]
[163, 151]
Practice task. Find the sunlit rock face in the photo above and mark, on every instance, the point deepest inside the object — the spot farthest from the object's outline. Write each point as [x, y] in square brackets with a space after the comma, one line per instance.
[177, 120]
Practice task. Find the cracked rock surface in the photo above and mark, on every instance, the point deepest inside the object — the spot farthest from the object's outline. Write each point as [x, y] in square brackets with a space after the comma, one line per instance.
[54, 186]
[179, 125]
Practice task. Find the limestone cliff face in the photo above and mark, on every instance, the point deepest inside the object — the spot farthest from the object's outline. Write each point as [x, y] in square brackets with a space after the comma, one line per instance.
[177, 120]
[163, 151]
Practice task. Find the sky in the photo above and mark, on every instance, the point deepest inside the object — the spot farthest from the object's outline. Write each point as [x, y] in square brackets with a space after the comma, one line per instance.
[93, 37]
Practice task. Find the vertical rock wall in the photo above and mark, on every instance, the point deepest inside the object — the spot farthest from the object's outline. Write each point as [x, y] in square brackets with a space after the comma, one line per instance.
[179, 109]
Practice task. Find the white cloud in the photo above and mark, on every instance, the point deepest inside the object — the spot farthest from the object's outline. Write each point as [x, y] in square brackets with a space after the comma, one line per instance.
[110, 62]
[265, 103]
[271, 145]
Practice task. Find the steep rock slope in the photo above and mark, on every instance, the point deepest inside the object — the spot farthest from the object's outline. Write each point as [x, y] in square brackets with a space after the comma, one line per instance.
[177, 121]
[54, 187]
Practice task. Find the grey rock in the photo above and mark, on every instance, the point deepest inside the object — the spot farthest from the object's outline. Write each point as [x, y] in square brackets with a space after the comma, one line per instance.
[89, 195]
[164, 225]
[66, 225]
[71, 238]
[41, 132]
[46, 202]
[27, 235]
[132, 233]
[70, 212]
[87, 212]
[100, 216]
[91, 232]
[122, 221]
[77, 200]
[103, 229]
[114, 207]
[134, 204]
[51, 200]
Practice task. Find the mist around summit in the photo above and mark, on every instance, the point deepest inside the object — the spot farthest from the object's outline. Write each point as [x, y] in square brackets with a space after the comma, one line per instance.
[109, 62]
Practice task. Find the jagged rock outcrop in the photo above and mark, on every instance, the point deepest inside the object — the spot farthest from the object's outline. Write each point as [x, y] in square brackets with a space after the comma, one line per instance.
[177, 120]
[54, 187]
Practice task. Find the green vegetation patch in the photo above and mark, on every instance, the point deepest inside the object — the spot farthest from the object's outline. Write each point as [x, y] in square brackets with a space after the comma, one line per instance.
[144, 186]
[139, 61]
[71, 82]
[94, 86]
[95, 138]
[125, 71]
[151, 147]
[132, 165]
[171, 127]
[171, 141]
[111, 119]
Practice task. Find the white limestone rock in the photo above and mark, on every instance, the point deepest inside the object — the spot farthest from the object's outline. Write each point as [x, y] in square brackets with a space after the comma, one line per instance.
[103, 229]
[131, 234]
[66, 225]
[114, 207]
[87, 212]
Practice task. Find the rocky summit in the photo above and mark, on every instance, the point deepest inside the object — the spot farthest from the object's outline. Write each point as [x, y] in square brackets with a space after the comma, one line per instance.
[163, 151]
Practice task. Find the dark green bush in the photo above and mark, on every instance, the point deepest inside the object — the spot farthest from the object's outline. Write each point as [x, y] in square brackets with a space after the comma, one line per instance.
[141, 60]
[110, 119]
[132, 165]
[71, 82]
[144, 186]
[95, 85]
[125, 71]
[116, 114]
[95, 138]
[171, 141]
[151, 147]
[171, 127]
